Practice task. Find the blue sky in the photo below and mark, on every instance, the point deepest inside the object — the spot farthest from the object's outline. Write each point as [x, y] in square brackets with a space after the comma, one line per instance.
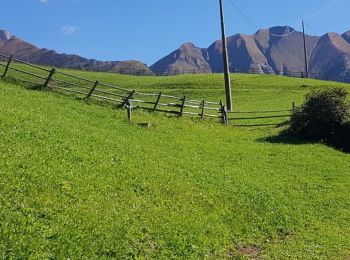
[147, 30]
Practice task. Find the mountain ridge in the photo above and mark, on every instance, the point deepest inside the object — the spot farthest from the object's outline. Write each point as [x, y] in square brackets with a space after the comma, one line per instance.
[276, 49]
[11, 45]
[5, 35]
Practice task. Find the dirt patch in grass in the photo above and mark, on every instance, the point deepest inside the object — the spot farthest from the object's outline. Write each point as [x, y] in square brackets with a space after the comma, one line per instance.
[252, 252]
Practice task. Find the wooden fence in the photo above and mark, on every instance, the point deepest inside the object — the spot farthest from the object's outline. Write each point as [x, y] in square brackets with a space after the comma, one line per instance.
[86, 89]
[260, 117]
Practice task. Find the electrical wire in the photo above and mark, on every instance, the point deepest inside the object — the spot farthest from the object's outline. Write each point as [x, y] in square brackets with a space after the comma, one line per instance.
[255, 24]
[310, 28]
[243, 14]
[283, 35]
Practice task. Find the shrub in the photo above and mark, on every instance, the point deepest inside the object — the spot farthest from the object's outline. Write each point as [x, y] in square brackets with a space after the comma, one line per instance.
[342, 137]
[324, 116]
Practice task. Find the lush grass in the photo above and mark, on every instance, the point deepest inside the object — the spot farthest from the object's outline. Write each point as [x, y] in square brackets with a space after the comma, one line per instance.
[249, 91]
[78, 181]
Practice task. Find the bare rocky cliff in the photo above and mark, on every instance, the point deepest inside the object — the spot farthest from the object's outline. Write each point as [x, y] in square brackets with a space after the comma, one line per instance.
[268, 50]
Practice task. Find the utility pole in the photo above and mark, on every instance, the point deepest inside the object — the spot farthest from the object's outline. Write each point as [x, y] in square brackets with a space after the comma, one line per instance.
[226, 64]
[305, 54]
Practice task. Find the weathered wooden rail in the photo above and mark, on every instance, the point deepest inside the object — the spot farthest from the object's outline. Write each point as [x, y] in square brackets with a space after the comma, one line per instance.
[120, 97]
[54, 79]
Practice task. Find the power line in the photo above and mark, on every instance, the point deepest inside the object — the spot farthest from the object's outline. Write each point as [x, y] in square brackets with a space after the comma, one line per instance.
[255, 24]
[283, 35]
[308, 26]
[243, 14]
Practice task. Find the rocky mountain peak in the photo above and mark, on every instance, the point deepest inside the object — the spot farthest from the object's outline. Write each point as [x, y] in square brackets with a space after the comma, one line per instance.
[276, 30]
[5, 35]
[281, 30]
[188, 45]
[336, 40]
[346, 36]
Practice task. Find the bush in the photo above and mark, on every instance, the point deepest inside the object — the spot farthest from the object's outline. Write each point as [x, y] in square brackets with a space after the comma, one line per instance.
[324, 116]
[342, 138]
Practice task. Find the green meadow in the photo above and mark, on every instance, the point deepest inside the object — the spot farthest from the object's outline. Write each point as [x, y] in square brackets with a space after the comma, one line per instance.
[77, 181]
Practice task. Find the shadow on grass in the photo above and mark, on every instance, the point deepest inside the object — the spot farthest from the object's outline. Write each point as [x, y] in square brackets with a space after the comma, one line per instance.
[284, 137]
[23, 83]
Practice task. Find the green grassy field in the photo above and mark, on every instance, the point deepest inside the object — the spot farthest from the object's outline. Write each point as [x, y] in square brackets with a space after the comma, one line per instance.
[78, 181]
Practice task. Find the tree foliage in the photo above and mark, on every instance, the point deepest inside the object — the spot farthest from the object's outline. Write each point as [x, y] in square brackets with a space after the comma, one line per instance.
[325, 116]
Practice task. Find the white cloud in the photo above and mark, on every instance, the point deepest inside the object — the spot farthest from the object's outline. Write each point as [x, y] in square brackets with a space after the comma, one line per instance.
[68, 29]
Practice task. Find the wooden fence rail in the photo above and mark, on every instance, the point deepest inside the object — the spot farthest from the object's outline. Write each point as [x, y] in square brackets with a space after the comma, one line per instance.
[120, 97]
[55, 79]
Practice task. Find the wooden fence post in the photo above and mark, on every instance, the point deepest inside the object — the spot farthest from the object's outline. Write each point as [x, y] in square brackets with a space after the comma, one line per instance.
[203, 109]
[129, 109]
[224, 115]
[92, 90]
[223, 110]
[221, 105]
[127, 98]
[7, 66]
[157, 102]
[182, 106]
[47, 81]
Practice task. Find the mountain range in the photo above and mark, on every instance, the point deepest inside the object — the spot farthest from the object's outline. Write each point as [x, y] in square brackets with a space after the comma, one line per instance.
[275, 49]
[11, 45]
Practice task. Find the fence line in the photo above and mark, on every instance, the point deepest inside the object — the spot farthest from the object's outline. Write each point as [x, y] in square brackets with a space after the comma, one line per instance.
[120, 97]
[124, 98]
